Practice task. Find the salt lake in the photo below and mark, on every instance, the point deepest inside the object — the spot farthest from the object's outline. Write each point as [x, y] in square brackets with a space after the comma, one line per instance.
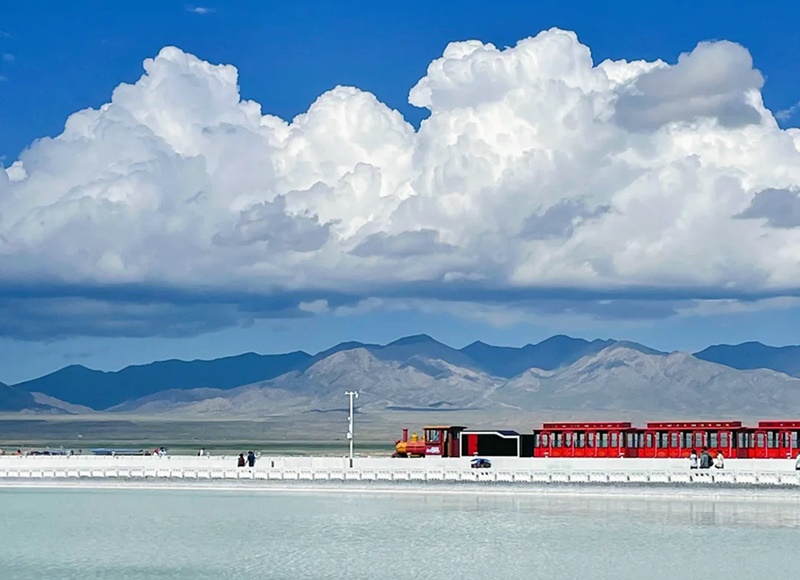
[246, 533]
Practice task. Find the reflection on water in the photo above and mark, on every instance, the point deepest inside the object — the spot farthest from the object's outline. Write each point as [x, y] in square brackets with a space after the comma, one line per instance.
[692, 511]
[259, 534]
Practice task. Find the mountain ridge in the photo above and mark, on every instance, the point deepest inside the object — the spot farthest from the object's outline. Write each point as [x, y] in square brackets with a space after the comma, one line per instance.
[617, 379]
[76, 388]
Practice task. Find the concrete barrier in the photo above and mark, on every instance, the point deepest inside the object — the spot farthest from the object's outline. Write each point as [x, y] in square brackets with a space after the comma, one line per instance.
[504, 470]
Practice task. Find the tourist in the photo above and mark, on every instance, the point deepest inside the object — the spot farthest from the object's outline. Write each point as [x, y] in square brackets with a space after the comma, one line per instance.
[719, 460]
[251, 459]
[201, 452]
[241, 461]
[705, 459]
[797, 463]
[693, 459]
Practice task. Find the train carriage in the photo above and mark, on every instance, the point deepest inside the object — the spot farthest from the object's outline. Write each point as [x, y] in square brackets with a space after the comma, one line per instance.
[774, 440]
[497, 443]
[678, 438]
[581, 439]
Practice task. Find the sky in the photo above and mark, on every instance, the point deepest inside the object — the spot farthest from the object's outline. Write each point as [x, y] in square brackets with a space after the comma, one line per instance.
[200, 180]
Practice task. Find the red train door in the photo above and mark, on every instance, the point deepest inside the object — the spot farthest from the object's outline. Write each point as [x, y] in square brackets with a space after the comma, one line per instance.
[568, 442]
[759, 450]
[602, 440]
[542, 448]
[633, 443]
[674, 448]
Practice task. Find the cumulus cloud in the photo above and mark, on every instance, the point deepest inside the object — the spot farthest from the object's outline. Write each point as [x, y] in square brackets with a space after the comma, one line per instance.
[780, 208]
[539, 173]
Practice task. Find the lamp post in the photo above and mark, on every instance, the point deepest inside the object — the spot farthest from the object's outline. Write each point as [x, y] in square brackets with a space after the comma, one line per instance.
[351, 394]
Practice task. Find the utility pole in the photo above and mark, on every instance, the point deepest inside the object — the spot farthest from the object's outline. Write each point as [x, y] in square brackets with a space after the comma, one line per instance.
[351, 394]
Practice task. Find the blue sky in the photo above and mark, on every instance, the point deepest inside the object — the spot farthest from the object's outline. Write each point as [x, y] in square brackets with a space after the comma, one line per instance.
[58, 59]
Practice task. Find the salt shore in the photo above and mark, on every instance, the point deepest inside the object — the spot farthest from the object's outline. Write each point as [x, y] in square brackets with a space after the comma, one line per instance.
[375, 472]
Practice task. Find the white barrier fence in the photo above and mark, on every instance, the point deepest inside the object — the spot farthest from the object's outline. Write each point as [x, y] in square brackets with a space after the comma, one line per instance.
[382, 470]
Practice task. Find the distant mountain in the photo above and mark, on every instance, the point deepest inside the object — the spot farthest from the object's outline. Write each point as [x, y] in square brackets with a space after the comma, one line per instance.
[628, 380]
[401, 350]
[100, 390]
[382, 385]
[418, 372]
[617, 378]
[13, 399]
[754, 355]
[549, 354]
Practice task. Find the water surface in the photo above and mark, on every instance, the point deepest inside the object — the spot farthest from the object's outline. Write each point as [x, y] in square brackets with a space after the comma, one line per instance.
[198, 534]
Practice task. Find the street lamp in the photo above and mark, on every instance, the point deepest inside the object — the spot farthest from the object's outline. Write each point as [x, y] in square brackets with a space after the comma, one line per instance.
[351, 394]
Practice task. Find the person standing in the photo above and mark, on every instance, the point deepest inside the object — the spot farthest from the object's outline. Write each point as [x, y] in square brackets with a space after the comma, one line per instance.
[705, 459]
[240, 462]
[693, 459]
[251, 459]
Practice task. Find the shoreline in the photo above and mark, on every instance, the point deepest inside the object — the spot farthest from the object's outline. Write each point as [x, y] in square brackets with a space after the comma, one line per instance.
[593, 491]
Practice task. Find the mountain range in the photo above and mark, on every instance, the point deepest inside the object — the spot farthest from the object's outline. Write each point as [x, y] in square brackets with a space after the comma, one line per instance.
[418, 373]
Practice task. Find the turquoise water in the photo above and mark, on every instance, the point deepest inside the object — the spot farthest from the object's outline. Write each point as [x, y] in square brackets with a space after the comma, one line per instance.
[197, 534]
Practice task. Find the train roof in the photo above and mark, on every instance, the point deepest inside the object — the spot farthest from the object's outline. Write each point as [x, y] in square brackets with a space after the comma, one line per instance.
[586, 426]
[683, 425]
[779, 424]
[503, 432]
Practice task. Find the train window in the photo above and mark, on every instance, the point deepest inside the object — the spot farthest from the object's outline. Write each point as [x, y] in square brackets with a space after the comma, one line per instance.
[686, 440]
[745, 440]
[545, 440]
[794, 439]
[602, 439]
[772, 439]
[590, 439]
[760, 440]
[614, 440]
[556, 439]
[580, 439]
[698, 440]
[723, 439]
[648, 440]
[713, 439]
[674, 440]
[661, 440]
[567, 439]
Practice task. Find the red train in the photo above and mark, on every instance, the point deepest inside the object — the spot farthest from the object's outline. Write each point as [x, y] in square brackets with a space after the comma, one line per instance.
[767, 440]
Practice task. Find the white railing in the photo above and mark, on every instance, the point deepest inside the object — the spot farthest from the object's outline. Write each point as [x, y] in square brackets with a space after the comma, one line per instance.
[515, 477]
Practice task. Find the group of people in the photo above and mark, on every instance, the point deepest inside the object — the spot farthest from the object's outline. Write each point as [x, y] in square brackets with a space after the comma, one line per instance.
[250, 461]
[705, 461]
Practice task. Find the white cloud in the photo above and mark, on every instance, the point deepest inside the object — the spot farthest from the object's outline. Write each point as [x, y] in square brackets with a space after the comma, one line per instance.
[314, 307]
[201, 10]
[536, 170]
[786, 114]
[8, 57]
